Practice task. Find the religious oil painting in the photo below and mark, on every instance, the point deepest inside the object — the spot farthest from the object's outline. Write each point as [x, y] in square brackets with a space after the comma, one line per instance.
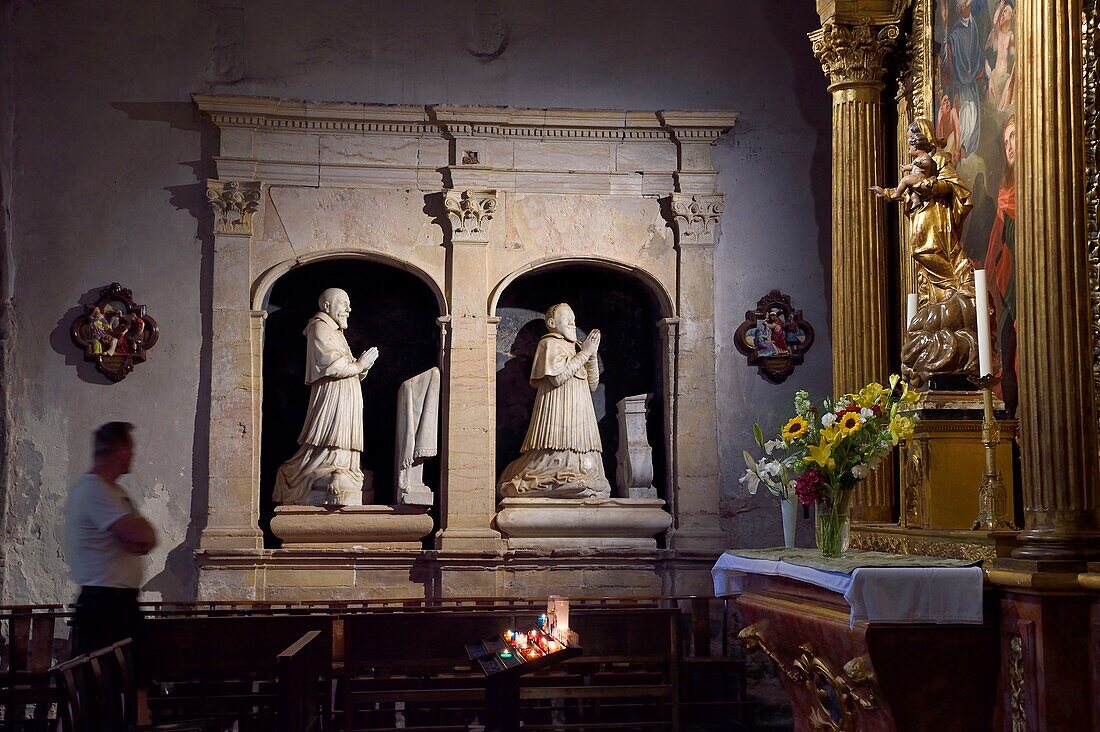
[975, 93]
[114, 332]
[774, 337]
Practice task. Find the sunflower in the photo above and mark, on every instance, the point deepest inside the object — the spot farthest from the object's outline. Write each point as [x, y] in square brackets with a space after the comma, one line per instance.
[795, 428]
[850, 423]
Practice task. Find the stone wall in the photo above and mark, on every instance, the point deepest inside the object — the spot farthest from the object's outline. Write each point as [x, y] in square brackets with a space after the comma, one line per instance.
[103, 160]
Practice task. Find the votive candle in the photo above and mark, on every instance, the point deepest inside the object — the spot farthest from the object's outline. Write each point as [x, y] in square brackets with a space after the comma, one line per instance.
[910, 309]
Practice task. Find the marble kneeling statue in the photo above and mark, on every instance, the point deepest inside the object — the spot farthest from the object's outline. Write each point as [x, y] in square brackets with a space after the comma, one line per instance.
[562, 456]
[327, 469]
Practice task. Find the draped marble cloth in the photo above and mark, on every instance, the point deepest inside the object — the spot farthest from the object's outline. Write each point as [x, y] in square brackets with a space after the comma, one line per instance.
[417, 436]
[329, 459]
[562, 455]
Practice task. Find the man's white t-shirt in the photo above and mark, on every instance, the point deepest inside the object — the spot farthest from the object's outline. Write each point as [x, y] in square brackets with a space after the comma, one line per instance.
[94, 555]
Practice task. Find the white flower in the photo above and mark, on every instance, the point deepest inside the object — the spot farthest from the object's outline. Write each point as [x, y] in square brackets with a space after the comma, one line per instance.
[828, 420]
[772, 445]
[750, 480]
[866, 414]
[859, 472]
[770, 469]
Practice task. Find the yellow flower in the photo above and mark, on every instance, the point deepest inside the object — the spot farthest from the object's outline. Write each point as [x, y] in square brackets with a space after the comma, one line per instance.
[795, 428]
[821, 454]
[901, 428]
[910, 396]
[850, 423]
[894, 379]
[869, 394]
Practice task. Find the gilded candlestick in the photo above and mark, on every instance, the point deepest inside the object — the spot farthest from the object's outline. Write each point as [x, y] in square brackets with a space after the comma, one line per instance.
[992, 503]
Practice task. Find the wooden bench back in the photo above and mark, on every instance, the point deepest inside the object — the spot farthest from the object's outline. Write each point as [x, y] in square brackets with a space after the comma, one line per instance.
[213, 648]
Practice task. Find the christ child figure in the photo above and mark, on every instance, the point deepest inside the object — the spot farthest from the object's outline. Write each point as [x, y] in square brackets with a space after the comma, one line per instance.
[921, 169]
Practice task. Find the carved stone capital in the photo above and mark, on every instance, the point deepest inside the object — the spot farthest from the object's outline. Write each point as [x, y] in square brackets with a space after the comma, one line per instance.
[695, 218]
[852, 55]
[234, 202]
[470, 212]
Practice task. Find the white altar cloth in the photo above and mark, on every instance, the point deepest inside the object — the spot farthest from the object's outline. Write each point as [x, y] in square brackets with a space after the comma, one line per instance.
[941, 595]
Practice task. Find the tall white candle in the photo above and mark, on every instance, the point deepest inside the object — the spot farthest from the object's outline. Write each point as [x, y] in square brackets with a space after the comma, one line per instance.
[910, 309]
[981, 303]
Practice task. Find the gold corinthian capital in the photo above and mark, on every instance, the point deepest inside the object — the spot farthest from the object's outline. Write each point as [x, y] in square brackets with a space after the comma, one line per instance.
[853, 55]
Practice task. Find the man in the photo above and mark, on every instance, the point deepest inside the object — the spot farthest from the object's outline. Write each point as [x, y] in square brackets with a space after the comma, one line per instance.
[562, 455]
[327, 469]
[105, 538]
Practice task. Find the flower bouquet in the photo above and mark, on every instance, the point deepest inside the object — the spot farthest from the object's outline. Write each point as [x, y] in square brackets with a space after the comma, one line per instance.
[822, 452]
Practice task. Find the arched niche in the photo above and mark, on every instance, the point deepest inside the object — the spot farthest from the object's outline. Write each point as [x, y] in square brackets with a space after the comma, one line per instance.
[626, 309]
[392, 309]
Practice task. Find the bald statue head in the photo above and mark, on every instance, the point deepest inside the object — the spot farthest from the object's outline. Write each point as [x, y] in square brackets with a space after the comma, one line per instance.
[335, 303]
[561, 320]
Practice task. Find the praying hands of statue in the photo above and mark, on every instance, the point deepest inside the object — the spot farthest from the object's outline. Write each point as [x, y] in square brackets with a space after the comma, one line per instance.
[591, 343]
[366, 361]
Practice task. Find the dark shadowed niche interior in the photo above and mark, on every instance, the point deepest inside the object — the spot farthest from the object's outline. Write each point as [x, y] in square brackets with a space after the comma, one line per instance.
[391, 309]
[624, 310]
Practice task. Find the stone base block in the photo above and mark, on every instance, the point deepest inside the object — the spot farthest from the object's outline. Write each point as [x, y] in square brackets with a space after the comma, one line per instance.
[367, 527]
[582, 523]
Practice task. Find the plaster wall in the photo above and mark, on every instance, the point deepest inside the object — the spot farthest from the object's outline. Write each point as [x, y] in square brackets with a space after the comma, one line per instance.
[103, 161]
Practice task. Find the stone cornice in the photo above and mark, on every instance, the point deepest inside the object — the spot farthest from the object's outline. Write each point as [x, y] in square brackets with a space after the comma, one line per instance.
[567, 124]
[853, 54]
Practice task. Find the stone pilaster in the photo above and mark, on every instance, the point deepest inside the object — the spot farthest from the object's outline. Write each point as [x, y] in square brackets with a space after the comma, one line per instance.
[696, 220]
[1057, 404]
[852, 58]
[236, 344]
[469, 464]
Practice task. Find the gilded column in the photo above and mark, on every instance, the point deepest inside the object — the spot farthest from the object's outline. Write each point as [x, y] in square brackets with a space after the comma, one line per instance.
[1057, 406]
[469, 469]
[852, 59]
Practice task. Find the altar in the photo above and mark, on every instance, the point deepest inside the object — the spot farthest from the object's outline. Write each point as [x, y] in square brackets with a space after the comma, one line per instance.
[849, 637]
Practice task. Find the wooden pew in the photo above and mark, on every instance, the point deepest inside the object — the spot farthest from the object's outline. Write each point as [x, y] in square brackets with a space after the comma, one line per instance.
[304, 672]
[626, 678]
[97, 694]
[27, 698]
[410, 670]
[225, 667]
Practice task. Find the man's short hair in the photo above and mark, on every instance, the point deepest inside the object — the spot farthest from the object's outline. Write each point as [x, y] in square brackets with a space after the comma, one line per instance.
[110, 437]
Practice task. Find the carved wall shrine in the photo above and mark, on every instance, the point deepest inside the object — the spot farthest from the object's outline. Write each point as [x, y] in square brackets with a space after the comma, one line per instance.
[468, 200]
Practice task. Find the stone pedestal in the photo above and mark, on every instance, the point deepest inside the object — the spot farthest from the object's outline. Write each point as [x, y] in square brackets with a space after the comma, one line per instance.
[366, 527]
[634, 475]
[574, 523]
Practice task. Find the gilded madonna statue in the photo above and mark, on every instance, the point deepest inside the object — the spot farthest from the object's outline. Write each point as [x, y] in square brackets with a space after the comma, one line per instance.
[942, 339]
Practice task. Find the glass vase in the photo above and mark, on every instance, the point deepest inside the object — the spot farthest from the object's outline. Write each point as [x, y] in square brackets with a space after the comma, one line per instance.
[832, 523]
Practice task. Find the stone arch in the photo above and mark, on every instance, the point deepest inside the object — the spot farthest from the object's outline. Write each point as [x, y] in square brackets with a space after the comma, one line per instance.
[265, 283]
[631, 312]
[665, 300]
[393, 308]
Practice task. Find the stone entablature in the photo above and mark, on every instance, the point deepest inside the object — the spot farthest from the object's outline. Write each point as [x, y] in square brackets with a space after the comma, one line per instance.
[468, 199]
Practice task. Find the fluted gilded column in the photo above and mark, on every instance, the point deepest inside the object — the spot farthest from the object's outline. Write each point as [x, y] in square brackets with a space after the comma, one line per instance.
[852, 58]
[1057, 407]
